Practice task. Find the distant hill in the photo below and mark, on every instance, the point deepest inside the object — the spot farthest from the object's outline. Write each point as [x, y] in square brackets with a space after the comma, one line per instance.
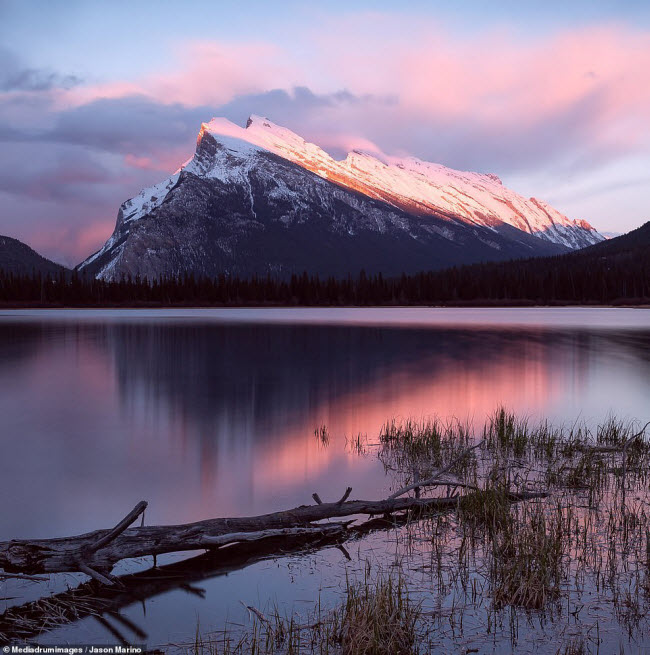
[636, 242]
[616, 270]
[18, 258]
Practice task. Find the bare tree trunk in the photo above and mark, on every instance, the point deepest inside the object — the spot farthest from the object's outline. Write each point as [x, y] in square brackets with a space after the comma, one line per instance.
[95, 553]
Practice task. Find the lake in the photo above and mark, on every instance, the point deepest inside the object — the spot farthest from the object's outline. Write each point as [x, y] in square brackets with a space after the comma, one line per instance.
[208, 413]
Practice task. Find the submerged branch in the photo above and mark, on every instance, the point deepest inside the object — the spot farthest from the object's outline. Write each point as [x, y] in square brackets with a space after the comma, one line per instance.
[434, 480]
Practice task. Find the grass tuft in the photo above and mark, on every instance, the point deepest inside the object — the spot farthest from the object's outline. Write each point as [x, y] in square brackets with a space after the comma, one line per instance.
[378, 618]
[528, 558]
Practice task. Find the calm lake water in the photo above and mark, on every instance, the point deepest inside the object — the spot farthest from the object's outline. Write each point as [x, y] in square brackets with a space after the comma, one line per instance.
[209, 413]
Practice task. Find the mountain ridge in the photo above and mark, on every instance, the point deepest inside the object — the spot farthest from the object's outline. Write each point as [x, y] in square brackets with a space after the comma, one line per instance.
[408, 183]
[262, 200]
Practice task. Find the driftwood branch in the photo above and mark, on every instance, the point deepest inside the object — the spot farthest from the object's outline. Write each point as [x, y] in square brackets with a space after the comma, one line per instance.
[119, 528]
[257, 613]
[90, 598]
[65, 554]
[345, 496]
[103, 541]
[238, 537]
[95, 575]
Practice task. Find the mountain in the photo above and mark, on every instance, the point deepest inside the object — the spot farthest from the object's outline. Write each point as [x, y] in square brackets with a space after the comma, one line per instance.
[18, 258]
[613, 271]
[261, 200]
[631, 245]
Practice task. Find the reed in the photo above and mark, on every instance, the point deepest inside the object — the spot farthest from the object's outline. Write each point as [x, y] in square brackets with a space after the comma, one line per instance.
[376, 617]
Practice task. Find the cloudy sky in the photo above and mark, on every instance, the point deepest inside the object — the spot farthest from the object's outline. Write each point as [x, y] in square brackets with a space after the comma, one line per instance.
[99, 99]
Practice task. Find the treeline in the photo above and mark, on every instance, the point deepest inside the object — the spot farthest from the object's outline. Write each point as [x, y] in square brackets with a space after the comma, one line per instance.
[572, 279]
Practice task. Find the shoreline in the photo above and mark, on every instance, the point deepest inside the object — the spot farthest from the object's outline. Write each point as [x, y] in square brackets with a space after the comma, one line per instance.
[468, 305]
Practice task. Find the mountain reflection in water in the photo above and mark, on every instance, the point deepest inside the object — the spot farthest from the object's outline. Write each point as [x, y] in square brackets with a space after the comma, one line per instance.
[209, 419]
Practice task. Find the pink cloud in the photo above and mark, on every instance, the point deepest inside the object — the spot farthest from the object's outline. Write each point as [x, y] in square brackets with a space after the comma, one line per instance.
[68, 244]
[345, 141]
[91, 237]
[143, 163]
[209, 73]
[160, 161]
[213, 73]
[497, 80]
[494, 81]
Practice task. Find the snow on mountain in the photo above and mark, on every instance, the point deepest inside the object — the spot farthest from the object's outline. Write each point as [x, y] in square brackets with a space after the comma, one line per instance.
[147, 199]
[411, 184]
[408, 183]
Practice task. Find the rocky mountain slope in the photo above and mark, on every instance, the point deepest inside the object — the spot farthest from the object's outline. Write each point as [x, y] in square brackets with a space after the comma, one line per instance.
[261, 200]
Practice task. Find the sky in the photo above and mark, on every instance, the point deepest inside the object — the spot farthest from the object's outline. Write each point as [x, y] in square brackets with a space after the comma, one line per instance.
[100, 99]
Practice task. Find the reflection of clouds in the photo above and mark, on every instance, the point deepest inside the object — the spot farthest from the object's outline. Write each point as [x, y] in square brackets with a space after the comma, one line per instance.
[526, 374]
[212, 419]
[246, 399]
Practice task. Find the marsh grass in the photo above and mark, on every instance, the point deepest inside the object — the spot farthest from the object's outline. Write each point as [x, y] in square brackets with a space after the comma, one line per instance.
[576, 646]
[586, 471]
[422, 446]
[527, 563]
[358, 444]
[488, 558]
[592, 531]
[504, 431]
[489, 507]
[376, 617]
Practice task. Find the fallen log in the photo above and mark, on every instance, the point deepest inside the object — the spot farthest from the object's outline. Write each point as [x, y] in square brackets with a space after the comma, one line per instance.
[90, 598]
[93, 598]
[95, 553]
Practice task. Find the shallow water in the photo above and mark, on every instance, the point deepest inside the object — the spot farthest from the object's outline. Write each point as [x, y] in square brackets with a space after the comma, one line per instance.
[212, 413]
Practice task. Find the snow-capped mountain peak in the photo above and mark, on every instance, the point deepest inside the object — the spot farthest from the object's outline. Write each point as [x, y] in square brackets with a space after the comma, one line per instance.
[261, 199]
[409, 183]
